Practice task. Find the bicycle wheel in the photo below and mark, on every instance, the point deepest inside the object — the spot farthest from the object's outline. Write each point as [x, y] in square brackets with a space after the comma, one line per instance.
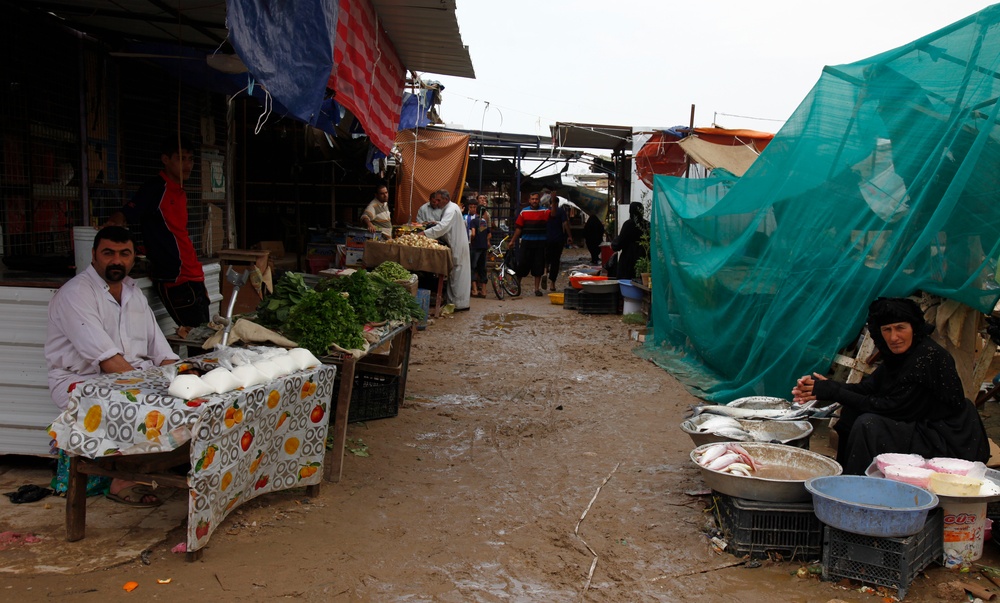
[498, 290]
[509, 284]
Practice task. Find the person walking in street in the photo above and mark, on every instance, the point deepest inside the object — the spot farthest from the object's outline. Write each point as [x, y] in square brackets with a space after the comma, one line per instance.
[479, 235]
[593, 233]
[529, 229]
[557, 232]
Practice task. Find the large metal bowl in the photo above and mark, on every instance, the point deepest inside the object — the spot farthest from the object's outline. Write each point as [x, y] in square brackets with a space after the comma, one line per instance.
[793, 433]
[786, 469]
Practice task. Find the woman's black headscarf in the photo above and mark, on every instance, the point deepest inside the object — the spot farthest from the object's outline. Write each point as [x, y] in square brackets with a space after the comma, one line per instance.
[888, 310]
[635, 213]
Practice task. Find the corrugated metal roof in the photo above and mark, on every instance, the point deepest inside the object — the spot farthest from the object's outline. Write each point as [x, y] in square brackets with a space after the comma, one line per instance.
[424, 32]
[426, 35]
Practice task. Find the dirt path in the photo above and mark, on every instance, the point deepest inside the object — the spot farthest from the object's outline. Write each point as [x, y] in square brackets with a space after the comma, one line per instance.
[520, 416]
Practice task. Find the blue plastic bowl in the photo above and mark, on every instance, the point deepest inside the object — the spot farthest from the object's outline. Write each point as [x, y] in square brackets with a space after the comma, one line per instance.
[870, 506]
[629, 291]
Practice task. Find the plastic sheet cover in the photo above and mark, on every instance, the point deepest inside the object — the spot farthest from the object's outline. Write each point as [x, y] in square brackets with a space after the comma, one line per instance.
[884, 181]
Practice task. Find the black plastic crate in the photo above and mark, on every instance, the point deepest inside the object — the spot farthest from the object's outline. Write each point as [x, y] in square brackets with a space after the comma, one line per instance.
[889, 562]
[599, 303]
[571, 298]
[759, 529]
[374, 396]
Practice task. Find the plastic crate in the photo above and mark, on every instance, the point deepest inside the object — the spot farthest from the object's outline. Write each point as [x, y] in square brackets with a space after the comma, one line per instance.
[758, 528]
[889, 562]
[374, 396]
[599, 303]
[571, 298]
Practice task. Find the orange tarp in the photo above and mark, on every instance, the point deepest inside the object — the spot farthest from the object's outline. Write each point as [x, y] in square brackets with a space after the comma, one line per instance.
[431, 160]
[662, 155]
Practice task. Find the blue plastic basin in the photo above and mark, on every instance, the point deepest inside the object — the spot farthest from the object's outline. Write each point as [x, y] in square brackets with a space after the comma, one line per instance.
[870, 506]
[629, 291]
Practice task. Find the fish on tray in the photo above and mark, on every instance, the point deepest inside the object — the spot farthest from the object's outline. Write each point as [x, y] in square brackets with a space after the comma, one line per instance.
[795, 413]
[728, 457]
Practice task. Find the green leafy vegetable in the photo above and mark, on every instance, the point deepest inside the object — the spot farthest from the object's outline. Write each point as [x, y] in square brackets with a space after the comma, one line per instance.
[321, 319]
[290, 289]
[362, 291]
[392, 271]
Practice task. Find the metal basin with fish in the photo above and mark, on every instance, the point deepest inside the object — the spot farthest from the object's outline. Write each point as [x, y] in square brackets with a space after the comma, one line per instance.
[781, 476]
[705, 429]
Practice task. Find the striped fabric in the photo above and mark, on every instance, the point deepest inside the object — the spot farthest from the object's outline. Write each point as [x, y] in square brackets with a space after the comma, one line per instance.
[368, 76]
[431, 160]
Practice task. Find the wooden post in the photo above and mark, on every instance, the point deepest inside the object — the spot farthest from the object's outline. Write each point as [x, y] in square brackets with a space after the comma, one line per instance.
[333, 464]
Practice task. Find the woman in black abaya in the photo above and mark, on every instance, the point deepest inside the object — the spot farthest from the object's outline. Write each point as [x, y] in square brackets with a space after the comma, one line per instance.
[912, 403]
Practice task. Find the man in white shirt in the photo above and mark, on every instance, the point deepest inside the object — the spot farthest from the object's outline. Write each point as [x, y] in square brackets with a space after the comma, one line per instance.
[428, 213]
[100, 322]
[451, 227]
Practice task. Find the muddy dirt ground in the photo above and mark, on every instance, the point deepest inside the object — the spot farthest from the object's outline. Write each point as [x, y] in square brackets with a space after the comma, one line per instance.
[521, 418]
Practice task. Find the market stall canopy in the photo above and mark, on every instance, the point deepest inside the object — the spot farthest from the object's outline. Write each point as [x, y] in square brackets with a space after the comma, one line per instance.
[590, 136]
[882, 183]
[733, 150]
[360, 48]
[736, 159]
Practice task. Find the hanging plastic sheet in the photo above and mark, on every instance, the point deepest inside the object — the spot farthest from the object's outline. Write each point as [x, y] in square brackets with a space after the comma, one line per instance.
[883, 182]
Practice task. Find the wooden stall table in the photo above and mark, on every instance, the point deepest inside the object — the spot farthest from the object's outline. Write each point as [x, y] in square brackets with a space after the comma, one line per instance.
[395, 362]
[436, 261]
[240, 444]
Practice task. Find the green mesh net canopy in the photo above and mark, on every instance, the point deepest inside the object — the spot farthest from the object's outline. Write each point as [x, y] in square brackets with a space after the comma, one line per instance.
[885, 181]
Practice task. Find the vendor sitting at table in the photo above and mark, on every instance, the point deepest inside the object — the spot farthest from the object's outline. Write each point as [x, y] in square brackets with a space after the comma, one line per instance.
[100, 322]
[912, 403]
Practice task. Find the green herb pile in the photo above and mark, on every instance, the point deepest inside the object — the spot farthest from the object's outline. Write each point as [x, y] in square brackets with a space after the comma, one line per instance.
[363, 292]
[290, 289]
[392, 271]
[321, 319]
[337, 311]
[396, 303]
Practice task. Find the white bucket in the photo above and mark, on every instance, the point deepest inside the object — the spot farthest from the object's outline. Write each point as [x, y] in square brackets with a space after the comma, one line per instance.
[83, 244]
[964, 529]
[631, 306]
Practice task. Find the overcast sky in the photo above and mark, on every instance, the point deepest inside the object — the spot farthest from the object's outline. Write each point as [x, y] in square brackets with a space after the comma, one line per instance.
[742, 63]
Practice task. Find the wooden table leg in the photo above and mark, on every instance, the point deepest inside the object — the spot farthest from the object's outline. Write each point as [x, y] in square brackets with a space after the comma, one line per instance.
[76, 502]
[313, 490]
[333, 464]
[437, 300]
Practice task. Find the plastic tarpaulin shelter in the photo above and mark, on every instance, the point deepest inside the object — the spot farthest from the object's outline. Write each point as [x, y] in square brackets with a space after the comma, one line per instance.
[289, 49]
[297, 50]
[663, 155]
[883, 182]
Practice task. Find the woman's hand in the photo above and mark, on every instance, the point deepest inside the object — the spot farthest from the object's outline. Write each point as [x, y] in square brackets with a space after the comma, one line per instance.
[803, 390]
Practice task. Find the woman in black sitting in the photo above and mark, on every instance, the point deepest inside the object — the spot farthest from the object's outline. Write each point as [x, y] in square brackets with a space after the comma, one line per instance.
[912, 403]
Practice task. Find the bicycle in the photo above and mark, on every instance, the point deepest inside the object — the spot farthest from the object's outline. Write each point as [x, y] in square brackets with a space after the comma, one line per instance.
[503, 278]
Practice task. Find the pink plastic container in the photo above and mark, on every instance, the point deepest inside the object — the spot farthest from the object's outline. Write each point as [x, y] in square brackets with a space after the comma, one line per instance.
[950, 465]
[891, 458]
[916, 476]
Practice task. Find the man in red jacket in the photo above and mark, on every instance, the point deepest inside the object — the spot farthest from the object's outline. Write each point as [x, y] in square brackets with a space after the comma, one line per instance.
[160, 208]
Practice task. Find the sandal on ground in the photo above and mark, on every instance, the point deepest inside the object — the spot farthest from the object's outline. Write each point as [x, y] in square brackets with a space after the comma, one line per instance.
[538, 292]
[133, 495]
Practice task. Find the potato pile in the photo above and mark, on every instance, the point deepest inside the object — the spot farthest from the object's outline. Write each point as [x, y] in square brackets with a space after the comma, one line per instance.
[415, 240]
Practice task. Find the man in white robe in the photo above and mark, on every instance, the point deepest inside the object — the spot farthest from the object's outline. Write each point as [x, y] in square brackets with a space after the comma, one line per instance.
[451, 229]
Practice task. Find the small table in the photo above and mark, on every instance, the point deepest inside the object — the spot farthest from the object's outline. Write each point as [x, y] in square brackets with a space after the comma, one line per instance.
[395, 362]
[436, 261]
[240, 444]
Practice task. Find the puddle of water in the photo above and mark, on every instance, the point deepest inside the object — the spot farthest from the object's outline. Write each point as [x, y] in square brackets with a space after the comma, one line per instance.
[503, 320]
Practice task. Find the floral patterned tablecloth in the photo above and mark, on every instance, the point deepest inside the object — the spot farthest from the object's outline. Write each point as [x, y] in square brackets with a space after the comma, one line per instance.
[244, 443]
